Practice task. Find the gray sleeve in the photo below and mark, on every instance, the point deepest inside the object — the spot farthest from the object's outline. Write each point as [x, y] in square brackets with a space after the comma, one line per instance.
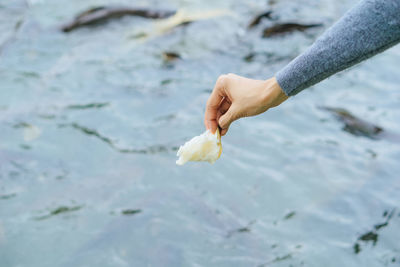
[369, 28]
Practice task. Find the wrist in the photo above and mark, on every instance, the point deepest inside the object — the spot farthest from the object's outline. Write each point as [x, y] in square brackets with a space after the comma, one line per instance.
[273, 93]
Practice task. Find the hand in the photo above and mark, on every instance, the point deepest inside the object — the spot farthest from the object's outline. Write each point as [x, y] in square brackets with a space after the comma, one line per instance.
[236, 97]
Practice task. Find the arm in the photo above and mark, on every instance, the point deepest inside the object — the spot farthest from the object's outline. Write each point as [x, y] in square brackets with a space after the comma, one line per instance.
[369, 28]
[366, 30]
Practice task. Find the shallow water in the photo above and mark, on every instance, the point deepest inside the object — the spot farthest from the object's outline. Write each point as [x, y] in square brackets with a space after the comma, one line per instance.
[90, 122]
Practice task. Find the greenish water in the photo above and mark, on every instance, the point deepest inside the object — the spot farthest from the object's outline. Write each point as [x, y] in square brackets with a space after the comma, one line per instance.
[90, 122]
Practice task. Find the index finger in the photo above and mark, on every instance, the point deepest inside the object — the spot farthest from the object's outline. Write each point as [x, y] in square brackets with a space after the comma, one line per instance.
[213, 103]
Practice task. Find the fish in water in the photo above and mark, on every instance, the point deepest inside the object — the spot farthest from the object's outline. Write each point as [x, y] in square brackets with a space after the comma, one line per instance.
[97, 15]
[282, 28]
[170, 56]
[185, 17]
[59, 210]
[354, 125]
[257, 19]
[181, 18]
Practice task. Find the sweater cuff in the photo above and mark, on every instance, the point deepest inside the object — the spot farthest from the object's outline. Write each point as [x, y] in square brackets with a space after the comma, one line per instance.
[282, 77]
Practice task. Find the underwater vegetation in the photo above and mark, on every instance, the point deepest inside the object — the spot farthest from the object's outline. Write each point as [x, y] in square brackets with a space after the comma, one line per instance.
[373, 235]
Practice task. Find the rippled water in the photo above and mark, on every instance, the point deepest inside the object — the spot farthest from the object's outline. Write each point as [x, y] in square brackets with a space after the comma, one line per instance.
[90, 122]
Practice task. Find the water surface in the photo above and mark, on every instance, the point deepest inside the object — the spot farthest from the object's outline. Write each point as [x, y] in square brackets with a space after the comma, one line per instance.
[90, 122]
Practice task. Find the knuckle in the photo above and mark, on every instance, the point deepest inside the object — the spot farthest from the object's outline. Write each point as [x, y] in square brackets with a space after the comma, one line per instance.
[232, 76]
[210, 107]
[223, 76]
[222, 80]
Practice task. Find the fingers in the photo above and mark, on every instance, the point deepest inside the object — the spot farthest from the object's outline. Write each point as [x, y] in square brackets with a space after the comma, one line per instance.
[224, 131]
[226, 119]
[213, 104]
[223, 107]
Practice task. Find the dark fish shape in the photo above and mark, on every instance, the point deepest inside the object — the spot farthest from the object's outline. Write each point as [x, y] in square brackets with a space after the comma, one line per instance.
[130, 211]
[245, 229]
[88, 106]
[289, 215]
[354, 125]
[239, 230]
[277, 259]
[282, 28]
[257, 19]
[97, 15]
[59, 210]
[8, 196]
[170, 56]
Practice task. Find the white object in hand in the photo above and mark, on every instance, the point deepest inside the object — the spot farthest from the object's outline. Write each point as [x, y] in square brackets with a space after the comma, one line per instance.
[205, 147]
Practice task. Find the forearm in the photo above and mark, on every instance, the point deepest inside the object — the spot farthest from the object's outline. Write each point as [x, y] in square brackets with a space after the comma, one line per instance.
[369, 28]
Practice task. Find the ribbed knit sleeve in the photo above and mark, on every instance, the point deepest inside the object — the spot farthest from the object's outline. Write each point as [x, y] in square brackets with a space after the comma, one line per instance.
[369, 28]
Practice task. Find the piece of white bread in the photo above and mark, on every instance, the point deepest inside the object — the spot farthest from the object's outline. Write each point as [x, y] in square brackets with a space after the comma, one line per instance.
[205, 147]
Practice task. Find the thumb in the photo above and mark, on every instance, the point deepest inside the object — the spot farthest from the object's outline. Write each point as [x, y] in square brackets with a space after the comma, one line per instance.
[226, 119]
